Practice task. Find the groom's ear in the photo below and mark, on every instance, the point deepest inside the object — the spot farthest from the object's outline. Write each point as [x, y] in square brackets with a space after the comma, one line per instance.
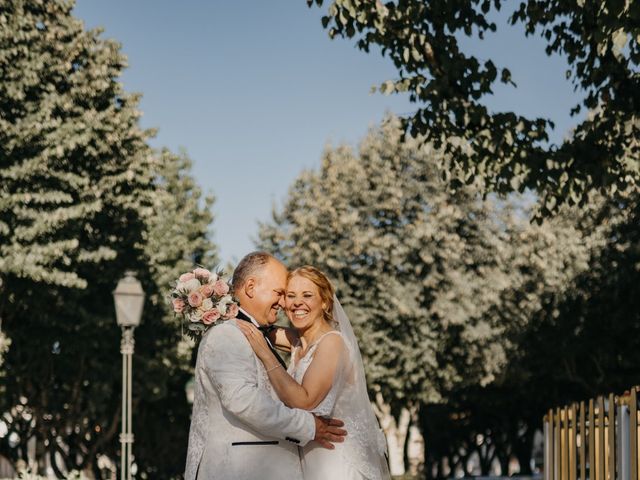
[250, 287]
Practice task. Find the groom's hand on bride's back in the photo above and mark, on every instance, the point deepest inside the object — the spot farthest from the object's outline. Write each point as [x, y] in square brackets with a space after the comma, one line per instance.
[328, 431]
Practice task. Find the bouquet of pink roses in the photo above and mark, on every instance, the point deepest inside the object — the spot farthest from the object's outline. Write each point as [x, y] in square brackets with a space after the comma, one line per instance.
[201, 298]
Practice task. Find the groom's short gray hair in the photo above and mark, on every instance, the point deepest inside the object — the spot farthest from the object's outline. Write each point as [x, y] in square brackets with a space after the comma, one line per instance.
[249, 265]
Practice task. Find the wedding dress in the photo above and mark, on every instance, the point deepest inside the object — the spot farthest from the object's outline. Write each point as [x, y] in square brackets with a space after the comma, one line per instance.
[362, 454]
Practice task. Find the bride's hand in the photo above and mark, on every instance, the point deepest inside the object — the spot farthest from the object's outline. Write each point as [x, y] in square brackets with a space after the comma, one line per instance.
[256, 339]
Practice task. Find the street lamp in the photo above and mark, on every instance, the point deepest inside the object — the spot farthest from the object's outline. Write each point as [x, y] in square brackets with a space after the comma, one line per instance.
[129, 300]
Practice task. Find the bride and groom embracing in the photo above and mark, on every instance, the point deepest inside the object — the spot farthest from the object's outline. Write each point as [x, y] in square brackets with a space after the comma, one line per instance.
[254, 418]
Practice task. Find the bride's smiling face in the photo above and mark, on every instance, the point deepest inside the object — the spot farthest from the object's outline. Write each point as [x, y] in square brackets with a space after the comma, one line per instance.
[303, 302]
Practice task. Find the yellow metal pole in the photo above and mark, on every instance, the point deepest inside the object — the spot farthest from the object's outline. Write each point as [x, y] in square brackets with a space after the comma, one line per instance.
[553, 474]
[601, 446]
[557, 446]
[572, 427]
[565, 444]
[612, 437]
[633, 432]
[548, 445]
[592, 441]
[583, 444]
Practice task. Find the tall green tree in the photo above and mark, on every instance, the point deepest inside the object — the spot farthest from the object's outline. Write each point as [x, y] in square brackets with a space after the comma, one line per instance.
[600, 41]
[570, 315]
[178, 238]
[76, 186]
[398, 243]
[71, 149]
[84, 362]
[415, 265]
[497, 421]
[463, 308]
[82, 199]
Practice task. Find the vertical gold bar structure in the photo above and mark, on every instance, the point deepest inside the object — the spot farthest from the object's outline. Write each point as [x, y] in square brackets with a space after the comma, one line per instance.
[592, 442]
[612, 437]
[573, 435]
[633, 432]
[548, 444]
[565, 444]
[583, 444]
[601, 439]
[557, 446]
[554, 452]
[549, 438]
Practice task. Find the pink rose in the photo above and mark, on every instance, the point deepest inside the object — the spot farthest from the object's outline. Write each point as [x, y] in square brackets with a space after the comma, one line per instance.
[220, 288]
[210, 316]
[178, 305]
[195, 299]
[185, 277]
[202, 273]
[207, 290]
[232, 311]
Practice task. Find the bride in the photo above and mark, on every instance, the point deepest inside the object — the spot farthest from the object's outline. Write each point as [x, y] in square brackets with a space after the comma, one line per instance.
[326, 377]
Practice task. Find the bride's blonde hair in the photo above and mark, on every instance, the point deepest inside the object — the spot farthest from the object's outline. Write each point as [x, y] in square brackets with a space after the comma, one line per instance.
[324, 287]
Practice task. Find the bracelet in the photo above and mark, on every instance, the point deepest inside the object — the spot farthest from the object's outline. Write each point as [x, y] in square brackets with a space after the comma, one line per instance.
[273, 368]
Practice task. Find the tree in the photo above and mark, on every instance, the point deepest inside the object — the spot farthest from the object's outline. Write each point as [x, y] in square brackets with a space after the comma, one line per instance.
[85, 363]
[497, 421]
[570, 313]
[70, 146]
[601, 42]
[415, 265]
[580, 342]
[76, 183]
[462, 307]
[178, 238]
[83, 198]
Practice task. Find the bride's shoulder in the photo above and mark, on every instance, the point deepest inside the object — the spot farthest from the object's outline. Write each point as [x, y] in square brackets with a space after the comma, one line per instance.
[331, 341]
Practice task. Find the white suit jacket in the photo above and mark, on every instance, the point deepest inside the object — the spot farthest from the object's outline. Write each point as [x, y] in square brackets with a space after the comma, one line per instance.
[239, 428]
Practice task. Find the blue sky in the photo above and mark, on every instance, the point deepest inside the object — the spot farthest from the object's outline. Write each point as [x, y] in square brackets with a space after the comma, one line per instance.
[255, 90]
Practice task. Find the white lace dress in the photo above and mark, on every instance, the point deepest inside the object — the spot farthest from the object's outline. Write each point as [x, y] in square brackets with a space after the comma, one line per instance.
[343, 462]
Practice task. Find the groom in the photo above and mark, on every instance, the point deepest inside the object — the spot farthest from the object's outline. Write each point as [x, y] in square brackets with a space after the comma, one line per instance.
[239, 427]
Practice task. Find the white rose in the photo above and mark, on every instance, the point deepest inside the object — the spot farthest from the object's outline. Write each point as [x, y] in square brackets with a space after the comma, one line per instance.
[207, 304]
[213, 278]
[223, 304]
[192, 285]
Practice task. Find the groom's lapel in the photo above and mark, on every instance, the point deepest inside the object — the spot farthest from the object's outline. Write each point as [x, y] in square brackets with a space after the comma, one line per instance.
[242, 316]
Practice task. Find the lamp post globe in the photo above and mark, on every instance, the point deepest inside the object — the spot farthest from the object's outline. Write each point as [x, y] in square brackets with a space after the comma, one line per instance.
[129, 300]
